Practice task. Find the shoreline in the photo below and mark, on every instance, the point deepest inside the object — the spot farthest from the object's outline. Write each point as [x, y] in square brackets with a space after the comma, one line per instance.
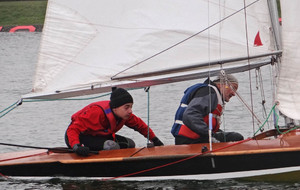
[24, 28]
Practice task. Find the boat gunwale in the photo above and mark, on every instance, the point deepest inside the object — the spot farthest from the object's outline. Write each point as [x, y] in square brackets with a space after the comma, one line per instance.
[154, 157]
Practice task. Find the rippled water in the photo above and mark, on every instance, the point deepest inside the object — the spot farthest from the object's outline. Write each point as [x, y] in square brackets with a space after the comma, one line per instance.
[44, 123]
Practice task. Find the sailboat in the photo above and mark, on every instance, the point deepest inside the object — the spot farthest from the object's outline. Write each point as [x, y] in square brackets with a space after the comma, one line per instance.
[89, 47]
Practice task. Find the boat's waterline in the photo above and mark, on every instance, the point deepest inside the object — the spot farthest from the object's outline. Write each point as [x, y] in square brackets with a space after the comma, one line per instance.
[286, 174]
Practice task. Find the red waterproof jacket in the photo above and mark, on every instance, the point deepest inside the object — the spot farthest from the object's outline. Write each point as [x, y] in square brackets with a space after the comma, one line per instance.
[97, 119]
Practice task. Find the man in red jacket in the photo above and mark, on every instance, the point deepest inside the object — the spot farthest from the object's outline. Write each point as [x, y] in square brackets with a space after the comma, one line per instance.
[95, 126]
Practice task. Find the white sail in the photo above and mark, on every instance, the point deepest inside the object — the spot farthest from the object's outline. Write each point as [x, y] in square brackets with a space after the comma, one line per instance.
[288, 93]
[89, 46]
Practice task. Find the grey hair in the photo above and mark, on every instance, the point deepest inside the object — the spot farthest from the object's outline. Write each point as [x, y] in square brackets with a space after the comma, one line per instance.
[226, 78]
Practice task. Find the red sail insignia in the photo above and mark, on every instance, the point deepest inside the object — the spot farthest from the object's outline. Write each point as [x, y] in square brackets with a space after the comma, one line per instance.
[257, 40]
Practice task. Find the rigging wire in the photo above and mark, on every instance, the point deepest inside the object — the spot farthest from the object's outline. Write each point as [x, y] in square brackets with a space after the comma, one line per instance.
[273, 82]
[274, 75]
[19, 102]
[147, 89]
[260, 83]
[248, 107]
[209, 88]
[248, 54]
[186, 39]
[210, 128]
[222, 72]
[222, 117]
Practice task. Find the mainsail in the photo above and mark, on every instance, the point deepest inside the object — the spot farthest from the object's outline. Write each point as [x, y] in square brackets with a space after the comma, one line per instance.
[90, 46]
[288, 93]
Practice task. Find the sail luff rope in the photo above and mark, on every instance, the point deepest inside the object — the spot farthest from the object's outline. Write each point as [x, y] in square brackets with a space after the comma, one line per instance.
[180, 42]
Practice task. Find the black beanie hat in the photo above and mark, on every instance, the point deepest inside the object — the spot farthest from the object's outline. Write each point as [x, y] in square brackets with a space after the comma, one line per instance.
[120, 97]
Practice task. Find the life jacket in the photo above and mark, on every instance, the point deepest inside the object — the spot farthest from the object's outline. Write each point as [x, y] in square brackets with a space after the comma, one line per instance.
[179, 129]
[102, 130]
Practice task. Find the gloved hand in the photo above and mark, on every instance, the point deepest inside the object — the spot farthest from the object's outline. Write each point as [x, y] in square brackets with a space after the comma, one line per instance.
[81, 150]
[157, 142]
[214, 140]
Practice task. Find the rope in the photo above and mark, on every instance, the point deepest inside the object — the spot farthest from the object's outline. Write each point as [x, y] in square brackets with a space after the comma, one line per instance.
[248, 54]
[276, 122]
[260, 82]
[38, 147]
[282, 133]
[4, 176]
[178, 161]
[273, 109]
[15, 158]
[19, 102]
[9, 108]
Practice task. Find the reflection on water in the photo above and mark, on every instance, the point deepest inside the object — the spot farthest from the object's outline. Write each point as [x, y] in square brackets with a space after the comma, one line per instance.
[86, 184]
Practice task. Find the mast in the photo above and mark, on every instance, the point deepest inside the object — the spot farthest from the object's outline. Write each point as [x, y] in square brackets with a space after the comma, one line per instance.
[275, 23]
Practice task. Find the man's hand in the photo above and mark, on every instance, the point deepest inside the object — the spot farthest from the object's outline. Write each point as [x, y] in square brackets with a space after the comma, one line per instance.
[214, 140]
[81, 150]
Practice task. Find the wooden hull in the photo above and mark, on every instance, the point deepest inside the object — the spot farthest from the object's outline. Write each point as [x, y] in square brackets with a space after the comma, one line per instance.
[263, 156]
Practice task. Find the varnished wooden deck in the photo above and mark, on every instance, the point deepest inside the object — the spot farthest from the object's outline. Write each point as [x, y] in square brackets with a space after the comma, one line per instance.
[264, 143]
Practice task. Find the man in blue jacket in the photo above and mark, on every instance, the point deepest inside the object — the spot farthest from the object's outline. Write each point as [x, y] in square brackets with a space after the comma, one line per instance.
[191, 124]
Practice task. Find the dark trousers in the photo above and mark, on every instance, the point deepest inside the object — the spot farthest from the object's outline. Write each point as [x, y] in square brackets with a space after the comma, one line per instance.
[220, 136]
[96, 142]
[228, 136]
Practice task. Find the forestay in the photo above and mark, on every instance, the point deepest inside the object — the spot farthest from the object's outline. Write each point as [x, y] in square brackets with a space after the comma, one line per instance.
[89, 46]
[288, 94]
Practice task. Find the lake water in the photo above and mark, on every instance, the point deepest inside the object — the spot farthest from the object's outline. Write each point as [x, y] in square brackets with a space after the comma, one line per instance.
[44, 123]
